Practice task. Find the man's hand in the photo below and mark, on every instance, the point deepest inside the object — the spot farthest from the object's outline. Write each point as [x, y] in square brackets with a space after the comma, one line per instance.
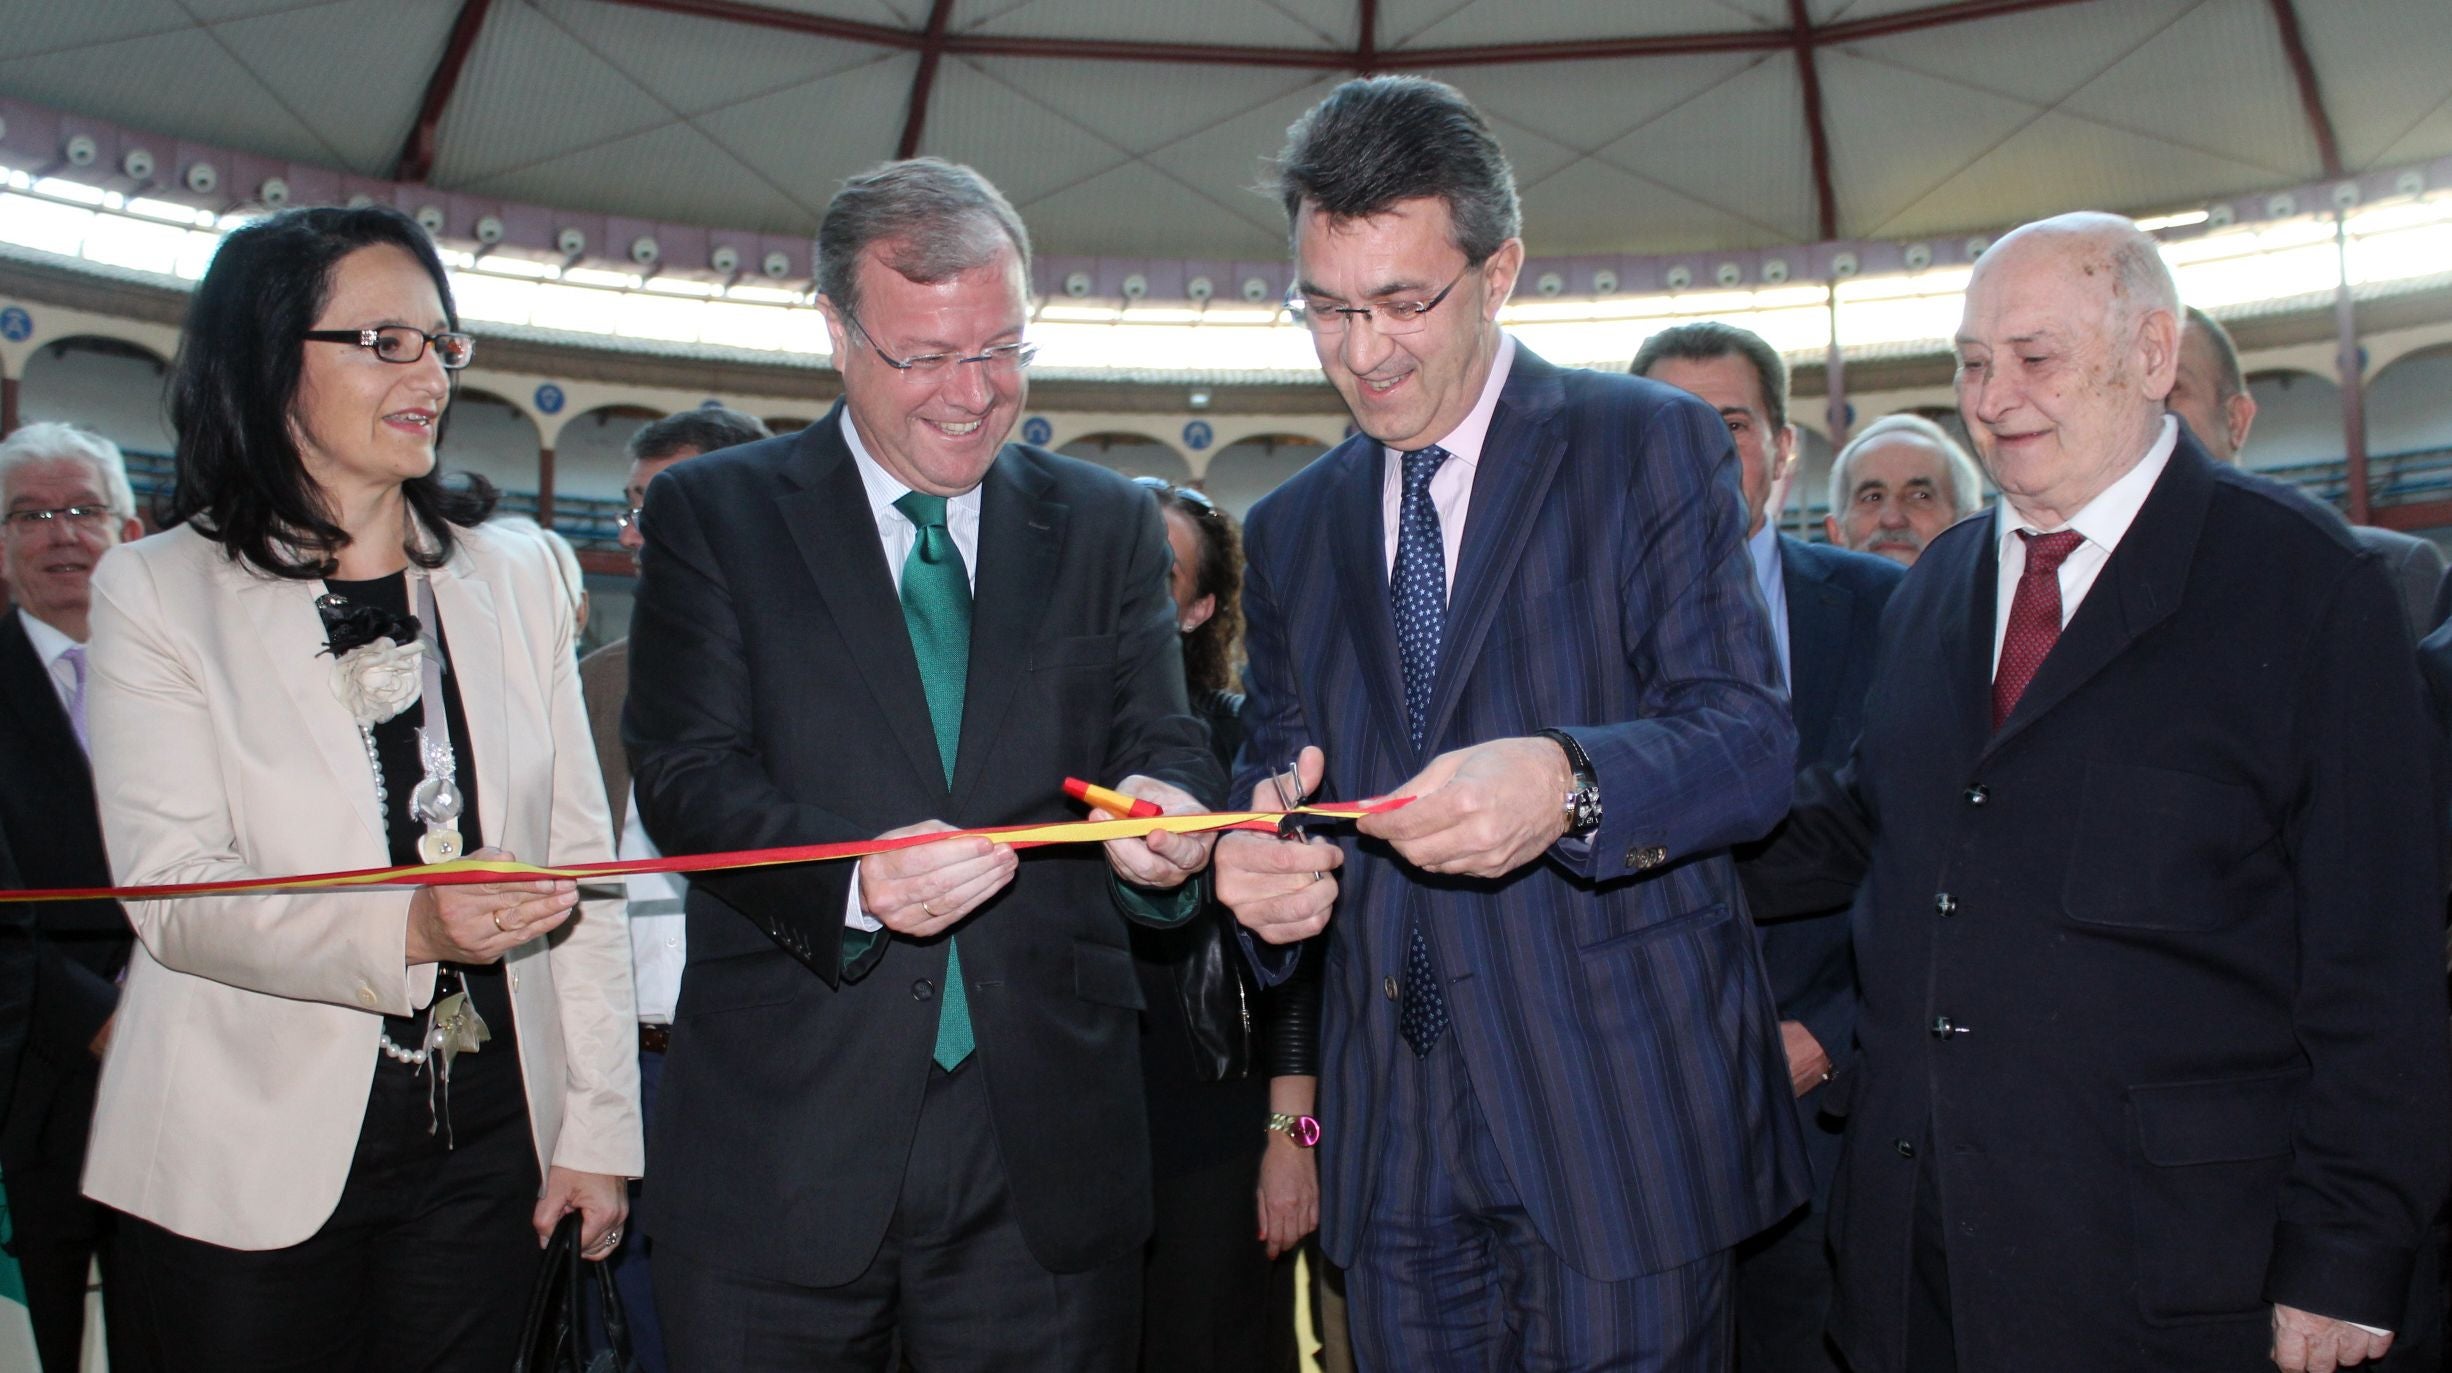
[1808, 1066]
[2304, 1342]
[1482, 811]
[1159, 858]
[924, 889]
[1280, 891]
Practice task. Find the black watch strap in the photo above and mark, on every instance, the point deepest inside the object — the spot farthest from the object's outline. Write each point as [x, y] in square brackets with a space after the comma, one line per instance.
[1582, 804]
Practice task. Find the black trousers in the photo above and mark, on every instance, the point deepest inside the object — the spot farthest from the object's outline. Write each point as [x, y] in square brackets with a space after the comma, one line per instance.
[56, 1265]
[953, 1288]
[425, 1265]
[1212, 1300]
[1784, 1292]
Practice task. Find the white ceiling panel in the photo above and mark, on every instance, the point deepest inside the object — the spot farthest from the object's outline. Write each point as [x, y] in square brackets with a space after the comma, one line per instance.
[1460, 23]
[1897, 135]
[901, 14]
[1593, 207]
[695, 181]
[2242, 105]
[2060, 163]
[1025, 146]
[2428, 139]
[2385, 67]
[1590, 105]
[1245, 23]
[805, 140]
[39, 28]
[2038, 57]
[151, 84]
[355, 70]
[531, 91]
[1227, 163]
[1739, 148]
[694, 65]
[1144, 107]
[1122, 211]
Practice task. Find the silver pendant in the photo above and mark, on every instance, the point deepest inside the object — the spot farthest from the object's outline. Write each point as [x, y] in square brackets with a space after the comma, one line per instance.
[436, 801]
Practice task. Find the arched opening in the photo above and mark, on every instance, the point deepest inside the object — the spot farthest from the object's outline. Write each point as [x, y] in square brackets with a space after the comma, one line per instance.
[1134, 455]
[488, 435]
[591, 460]
[2298, 421]
[112, 387]
[1247, 469]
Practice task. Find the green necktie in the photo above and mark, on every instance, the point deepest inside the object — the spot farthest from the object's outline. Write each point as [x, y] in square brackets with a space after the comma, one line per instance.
[936, 607]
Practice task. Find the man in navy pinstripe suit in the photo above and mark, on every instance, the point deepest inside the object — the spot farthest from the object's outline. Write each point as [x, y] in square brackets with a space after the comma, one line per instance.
[1553, 1092]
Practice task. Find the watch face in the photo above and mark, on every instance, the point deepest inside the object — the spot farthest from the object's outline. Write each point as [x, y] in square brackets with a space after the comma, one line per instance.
[1306, 1131]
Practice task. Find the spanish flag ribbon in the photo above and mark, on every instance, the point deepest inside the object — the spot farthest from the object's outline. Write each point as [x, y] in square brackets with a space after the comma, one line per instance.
[471, 871]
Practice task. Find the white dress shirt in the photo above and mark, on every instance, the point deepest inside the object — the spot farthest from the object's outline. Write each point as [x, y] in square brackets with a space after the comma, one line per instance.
[659, 932]
[51, 646]
[2102, 521]
[896, 533]
[1451, 487]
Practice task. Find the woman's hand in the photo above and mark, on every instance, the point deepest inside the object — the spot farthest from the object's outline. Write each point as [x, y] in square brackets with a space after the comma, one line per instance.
[1289, 1194]
[479, 924]
[602, 1201]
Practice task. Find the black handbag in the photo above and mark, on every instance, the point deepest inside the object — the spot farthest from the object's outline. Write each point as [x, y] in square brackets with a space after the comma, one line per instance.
[557, 1337]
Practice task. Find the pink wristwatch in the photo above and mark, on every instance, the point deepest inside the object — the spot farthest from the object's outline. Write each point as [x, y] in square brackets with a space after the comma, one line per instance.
[1303, 1130]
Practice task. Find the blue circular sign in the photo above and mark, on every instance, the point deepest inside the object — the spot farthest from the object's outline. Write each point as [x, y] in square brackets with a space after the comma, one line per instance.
[1037, 430]
[1198, 435]
[549, 398]
[16, 325]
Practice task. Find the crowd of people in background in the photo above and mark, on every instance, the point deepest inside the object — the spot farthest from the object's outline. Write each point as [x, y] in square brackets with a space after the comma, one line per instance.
[1998, 936]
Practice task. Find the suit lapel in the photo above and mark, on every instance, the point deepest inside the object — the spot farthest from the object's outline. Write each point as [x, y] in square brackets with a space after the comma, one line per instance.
[1819, 613]
[826, 509]
[26, 692]
[1358, 549]
[1519, 458]
[1021, 532]
[479, 648]
[1968, 570]
[2138, 588]
[282, 613]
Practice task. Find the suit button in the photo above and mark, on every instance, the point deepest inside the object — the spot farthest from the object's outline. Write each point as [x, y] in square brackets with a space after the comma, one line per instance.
[1641, 857]
[1944, 1027]
[1945, 904]
[1906, 1150]
[1388, 985]
[923, 990]
[1978, 794]
[367, 997]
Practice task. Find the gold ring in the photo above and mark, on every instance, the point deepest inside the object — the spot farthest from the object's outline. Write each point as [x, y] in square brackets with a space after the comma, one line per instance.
[924, 910]
[497, 919]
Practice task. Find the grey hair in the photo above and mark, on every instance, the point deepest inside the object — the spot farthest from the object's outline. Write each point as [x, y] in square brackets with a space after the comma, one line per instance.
[930, 220]
[52, 441]
[1382, 139]
[1966, 481]
[1707, 340]
[707, 429]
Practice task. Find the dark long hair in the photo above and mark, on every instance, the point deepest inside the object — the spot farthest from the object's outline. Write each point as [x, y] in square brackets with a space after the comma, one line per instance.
[1210, 652]
[234, 389]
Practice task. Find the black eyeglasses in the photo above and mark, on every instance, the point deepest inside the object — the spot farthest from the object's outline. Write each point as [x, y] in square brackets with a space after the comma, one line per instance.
[1190, 494]
[630, 518]
[1004, 360]
[1391, 317]
[402, 343]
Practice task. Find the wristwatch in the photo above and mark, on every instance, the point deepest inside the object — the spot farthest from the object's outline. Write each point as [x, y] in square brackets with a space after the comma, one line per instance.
[1303, 1130]
[1582, 805]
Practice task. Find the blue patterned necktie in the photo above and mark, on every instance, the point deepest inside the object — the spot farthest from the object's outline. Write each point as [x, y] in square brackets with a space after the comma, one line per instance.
[1417, 591]
[936, 608]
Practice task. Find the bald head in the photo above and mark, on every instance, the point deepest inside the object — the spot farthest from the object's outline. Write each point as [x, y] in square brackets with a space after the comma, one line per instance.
[2066, 352]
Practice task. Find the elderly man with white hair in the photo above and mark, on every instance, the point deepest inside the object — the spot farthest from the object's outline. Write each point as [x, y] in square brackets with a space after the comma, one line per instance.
[66, 503]
[2152, 1066]
[1896, 485]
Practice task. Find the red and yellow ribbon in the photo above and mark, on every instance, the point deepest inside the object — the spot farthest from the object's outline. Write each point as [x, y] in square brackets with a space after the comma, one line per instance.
[471, 871]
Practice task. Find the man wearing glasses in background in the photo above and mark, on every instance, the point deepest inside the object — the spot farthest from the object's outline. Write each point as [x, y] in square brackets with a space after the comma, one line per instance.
[1521, 596]
[67, 503]
[902, 1107]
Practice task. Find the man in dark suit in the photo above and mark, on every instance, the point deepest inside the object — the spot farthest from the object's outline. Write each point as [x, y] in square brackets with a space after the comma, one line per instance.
[1825, 605]
[67, 502]
[1553, 1096]
[2154, 1072]
[2211, 395]
[17, 968]
[903, 1100]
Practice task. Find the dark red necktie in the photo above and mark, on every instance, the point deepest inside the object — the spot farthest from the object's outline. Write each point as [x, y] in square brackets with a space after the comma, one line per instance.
[2034, 618]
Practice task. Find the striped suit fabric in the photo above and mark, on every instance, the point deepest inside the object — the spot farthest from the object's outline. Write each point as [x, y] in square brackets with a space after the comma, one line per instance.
[1609, 1008]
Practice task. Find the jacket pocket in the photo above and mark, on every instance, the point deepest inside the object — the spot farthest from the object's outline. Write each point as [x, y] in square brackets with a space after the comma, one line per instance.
[1644, 934]
[2154, 848]
[1104, 974]
[2205, 1185]
[1080, 650]
[739, 983]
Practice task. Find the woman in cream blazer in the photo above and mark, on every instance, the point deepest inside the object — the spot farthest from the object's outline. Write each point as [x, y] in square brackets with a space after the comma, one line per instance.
[251, 1069]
